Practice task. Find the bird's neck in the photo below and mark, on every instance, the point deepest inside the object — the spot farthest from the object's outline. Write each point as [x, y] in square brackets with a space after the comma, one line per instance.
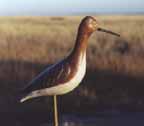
[80, 44]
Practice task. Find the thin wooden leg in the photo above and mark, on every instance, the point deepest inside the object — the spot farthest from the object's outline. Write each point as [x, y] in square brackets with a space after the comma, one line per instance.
[55, 111]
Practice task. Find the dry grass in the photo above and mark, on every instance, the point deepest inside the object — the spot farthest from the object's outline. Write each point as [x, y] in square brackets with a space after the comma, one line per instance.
[27, 44]
[48, 39]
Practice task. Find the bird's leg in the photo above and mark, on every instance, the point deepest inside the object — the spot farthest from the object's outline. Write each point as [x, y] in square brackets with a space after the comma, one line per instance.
[55, 111]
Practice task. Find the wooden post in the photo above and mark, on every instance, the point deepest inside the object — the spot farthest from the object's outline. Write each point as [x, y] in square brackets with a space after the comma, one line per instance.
[55, 111]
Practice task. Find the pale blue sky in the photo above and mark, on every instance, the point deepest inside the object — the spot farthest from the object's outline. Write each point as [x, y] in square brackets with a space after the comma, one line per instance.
[69, 7]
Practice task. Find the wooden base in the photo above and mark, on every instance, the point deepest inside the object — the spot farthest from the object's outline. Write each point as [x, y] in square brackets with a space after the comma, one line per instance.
[55, 111]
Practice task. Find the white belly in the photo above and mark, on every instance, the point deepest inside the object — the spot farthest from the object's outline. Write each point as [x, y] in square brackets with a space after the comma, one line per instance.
[70, 85]
[65, 87]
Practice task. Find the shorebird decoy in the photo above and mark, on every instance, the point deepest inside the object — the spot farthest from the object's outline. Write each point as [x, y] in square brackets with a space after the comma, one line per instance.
[67, 74]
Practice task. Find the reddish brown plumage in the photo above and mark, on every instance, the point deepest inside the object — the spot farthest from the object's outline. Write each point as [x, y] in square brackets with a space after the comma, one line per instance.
[65, 70]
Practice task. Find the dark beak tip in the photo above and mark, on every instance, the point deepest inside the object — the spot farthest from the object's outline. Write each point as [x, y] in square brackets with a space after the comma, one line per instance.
[108, 31]
[119, 35]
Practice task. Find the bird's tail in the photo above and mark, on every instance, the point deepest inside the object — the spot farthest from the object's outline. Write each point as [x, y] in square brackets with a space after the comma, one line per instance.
[30, 95]
[25, 98]
[18, 96]
[22, 96]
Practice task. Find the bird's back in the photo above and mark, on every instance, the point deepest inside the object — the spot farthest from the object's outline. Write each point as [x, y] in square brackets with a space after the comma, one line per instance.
[54, 75]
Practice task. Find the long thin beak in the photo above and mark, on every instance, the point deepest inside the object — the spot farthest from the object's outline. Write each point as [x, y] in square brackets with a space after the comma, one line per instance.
[108, 31]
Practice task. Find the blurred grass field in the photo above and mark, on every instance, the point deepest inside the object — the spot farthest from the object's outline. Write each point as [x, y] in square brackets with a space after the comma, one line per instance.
[48, 39]
[30, 44]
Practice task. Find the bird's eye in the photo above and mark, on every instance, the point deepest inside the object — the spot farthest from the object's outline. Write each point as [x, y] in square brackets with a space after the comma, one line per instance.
[94, 24]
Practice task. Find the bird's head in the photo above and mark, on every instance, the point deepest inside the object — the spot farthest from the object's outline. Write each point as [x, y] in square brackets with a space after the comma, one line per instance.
[89, 25]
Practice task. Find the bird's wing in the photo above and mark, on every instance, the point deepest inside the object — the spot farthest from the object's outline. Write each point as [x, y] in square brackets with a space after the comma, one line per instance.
[53, 75]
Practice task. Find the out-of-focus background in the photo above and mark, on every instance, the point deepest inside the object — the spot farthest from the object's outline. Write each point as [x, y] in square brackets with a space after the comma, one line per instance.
[37, 33]
[115, 70]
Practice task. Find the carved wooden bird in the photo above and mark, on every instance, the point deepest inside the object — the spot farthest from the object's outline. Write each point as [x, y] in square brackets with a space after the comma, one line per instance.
[67, 74]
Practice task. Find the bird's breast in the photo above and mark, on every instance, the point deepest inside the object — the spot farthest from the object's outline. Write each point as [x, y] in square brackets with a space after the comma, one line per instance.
[69, 85]
[76, 79]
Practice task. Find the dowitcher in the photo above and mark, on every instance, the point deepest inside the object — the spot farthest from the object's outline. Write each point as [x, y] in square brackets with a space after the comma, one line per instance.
[67, 74]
